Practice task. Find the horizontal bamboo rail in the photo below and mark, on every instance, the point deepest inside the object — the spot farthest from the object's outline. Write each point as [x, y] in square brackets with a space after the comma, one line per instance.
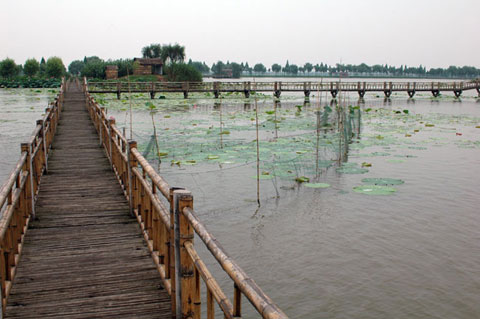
[277, 87]
[168, 223]
[18, 194]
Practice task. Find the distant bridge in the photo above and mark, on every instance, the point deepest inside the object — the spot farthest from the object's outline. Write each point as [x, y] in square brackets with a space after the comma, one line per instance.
[216, 88]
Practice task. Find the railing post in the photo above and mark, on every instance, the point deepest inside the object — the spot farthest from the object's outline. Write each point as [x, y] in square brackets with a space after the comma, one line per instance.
[184, 267]
[45, 159]
[131, 163]
[111, 123]
[100, 126]
[27, 147]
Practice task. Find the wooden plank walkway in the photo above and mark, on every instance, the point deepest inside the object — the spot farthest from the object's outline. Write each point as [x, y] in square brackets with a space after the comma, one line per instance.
[84, 255]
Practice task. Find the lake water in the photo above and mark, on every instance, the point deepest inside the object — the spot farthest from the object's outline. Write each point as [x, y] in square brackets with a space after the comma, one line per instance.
[330, 252]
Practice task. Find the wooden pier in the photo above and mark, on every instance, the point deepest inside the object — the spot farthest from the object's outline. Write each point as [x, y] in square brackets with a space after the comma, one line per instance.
[216, 88]
[90, 230]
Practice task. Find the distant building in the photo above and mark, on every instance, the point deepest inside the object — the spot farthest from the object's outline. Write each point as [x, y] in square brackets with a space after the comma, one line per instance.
[226, 73]
[144, 66]
[111, 72]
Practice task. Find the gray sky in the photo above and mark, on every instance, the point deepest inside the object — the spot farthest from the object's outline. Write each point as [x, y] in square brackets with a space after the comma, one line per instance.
[432, 33]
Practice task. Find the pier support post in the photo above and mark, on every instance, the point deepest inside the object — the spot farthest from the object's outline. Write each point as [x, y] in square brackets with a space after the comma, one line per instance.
[361, 93]
[411, 93]
[118, 90]
[435, 93]
[184, 267]
[334, 93]
[216, 93]
[307, 93]
[387, 93]
[457, 93]
[277, 93]
[152, 94]
[185, 94]
[247, 93]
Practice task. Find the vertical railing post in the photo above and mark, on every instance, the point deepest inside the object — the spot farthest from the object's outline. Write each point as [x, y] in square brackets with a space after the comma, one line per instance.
[131, 163]
[184, 266]
[100, 125]
[27, 147]
[111, 123]
[45, 164]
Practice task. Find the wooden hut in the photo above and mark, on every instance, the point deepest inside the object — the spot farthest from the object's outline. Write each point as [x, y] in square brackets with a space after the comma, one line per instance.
[144, 66]
[111, 72]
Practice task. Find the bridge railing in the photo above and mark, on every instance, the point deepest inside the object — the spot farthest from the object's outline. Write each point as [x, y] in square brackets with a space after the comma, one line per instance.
[18, 194]
[168, 223]
[219, 87]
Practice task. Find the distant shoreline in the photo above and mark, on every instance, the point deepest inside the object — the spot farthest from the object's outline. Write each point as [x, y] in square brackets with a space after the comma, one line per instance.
[343, 77]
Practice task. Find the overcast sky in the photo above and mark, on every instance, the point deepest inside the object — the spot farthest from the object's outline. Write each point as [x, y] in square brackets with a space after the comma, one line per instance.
[428, 32]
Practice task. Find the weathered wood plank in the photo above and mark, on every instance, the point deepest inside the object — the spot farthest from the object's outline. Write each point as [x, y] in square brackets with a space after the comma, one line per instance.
[84, 255]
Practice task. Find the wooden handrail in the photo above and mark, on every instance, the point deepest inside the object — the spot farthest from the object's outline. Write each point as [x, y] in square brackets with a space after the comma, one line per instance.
[249, 288]
[18, 194]
[170, 239]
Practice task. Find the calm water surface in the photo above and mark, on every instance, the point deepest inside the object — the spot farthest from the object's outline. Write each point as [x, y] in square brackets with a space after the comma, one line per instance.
[333, 252]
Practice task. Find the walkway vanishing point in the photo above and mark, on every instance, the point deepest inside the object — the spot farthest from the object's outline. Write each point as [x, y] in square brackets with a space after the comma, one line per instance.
[216, 88]
[90, 230]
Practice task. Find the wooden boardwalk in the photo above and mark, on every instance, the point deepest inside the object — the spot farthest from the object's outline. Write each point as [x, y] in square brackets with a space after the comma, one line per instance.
[84, 255]
[216, 88]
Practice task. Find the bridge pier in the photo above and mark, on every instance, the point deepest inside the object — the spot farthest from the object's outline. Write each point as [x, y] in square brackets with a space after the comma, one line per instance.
[185, 94]
[216, 93]
[411, 93]
[435, 93]
[277, 93]
[478, 90]
[334, 93]
[152, 94]
[387, 93]
[361, 93]
[457, 93]
[247, 93]
[118, 95]
[307, 93]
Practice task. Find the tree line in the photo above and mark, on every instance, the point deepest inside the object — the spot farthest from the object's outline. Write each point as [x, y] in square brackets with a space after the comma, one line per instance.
[52, 68]
[244, 69]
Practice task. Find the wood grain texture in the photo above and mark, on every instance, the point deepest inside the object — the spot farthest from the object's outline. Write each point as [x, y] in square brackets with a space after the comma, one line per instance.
[84, 255]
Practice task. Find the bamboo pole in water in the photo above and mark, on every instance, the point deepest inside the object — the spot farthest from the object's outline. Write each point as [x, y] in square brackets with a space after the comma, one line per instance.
[258, 150]
[130, 103]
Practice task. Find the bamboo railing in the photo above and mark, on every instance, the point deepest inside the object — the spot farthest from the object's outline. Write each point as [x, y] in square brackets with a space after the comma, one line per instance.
[18, 193]
[168, 222]
[276, 87]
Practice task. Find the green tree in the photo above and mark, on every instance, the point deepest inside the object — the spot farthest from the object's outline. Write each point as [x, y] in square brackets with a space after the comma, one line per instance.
[236, 69]
[181, 72]
[173, 53]
[153, 50]
[308, 67]
[8, 68]
[43, 66]
[276, 68]
[94, 68]
[31, 67]
[76, 67]
[260, 68]
[54, 67]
